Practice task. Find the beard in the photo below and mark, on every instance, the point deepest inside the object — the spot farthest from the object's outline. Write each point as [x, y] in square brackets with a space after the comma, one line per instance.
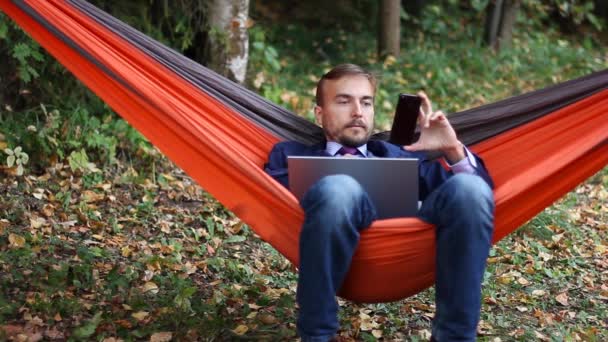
[355, 140]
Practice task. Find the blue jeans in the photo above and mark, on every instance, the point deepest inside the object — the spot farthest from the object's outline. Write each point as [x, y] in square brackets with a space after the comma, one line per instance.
[337, 208]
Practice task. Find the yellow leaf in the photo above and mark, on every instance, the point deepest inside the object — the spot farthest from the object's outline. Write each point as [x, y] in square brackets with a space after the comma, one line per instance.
[126, 251]
[267, 319]
[150, 287]
[377, 333]
[16, 241]
[90, 196]
[140, 315]
[240, 330]
[161, 337]
[37, 222]
[505, 279]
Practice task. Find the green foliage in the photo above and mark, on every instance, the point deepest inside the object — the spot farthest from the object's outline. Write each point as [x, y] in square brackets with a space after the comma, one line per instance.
[16, 157]
[76, 122]
[88, 328]
[18, 53]
[578, 12]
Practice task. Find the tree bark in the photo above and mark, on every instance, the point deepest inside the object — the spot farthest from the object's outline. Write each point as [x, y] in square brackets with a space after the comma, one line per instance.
[509, 15]
[228, 43]
[493, 17]
[389, 33]
[500, 20]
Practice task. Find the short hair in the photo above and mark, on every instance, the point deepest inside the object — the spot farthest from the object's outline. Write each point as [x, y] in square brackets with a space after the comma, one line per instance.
[343, 70]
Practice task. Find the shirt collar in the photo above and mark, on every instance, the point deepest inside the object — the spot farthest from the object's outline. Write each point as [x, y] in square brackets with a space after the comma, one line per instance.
[333, 147]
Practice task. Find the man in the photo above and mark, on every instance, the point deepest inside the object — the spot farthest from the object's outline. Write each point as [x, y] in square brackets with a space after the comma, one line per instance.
[458, 201]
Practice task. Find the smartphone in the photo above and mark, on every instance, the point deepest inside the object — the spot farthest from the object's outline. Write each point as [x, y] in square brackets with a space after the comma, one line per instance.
[406, 116]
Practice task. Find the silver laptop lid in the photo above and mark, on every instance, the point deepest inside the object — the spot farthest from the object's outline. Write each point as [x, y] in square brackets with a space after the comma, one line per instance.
[392, 183]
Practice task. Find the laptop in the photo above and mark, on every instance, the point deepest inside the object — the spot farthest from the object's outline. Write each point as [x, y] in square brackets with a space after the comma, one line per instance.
[392, 183]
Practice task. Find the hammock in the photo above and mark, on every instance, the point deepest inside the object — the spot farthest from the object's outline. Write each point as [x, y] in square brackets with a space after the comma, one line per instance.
[537, 146]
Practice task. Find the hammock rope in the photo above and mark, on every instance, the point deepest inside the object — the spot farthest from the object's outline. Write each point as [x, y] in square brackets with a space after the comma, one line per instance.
[537, 146]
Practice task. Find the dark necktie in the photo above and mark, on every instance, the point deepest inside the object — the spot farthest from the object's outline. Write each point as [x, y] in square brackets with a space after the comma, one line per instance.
[348, 150]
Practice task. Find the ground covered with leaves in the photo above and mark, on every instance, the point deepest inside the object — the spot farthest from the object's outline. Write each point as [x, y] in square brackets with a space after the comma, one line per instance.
[111, 255]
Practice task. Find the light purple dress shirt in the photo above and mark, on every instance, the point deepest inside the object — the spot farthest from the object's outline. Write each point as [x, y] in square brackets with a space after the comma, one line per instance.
[466, 165]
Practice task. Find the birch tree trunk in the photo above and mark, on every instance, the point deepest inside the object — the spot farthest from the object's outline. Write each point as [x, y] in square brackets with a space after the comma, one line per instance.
[228, 44]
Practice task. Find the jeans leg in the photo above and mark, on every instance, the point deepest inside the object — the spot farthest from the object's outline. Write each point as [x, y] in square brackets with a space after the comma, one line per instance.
[463, 211]
[336, 208]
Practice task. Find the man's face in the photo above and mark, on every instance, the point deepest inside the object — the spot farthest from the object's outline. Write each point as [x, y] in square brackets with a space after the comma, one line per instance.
[347, 112]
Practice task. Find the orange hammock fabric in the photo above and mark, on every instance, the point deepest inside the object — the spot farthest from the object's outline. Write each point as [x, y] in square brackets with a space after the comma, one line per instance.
[532, 165]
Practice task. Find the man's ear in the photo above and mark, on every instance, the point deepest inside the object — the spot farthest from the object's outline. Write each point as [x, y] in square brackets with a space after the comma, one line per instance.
[319, 115]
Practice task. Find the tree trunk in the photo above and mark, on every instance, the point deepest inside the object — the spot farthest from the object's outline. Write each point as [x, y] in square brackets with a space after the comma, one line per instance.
[493, 17]
[509, 14]
[228, 44]
[500, 20]
[389, 32]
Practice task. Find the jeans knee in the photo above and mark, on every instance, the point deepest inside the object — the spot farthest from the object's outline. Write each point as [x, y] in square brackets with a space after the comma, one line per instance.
[334, 191]
[336, 202]
[471, 190]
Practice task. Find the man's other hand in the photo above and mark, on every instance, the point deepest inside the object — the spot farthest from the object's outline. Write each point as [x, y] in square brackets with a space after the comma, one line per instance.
[436, 133]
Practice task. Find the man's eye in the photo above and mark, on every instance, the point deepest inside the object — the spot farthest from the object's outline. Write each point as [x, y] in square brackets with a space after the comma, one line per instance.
[367, 104]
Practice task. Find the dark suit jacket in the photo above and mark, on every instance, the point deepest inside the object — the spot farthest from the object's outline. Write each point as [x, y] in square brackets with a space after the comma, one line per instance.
[431, 172]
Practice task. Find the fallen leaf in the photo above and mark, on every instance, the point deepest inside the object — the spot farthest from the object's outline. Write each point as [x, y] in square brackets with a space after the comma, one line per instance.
[538, 293]
[3, 224]
[140, 315]
[165, 227]
[425, 334]
[562, 298]
[240, 330]
[16, 241]
[541, 336]
[267, 319]
[150, 287]
[90, 196]
[54, 334]
[161, 337]
[377, 333]
[37, 222]
[11, 330]
[557, 238]
[126, 251]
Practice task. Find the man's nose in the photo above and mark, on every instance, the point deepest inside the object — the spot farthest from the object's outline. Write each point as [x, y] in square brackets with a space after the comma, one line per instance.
[358, 109]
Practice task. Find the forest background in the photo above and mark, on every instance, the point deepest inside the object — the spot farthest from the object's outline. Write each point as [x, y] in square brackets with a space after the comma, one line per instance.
[103, 238]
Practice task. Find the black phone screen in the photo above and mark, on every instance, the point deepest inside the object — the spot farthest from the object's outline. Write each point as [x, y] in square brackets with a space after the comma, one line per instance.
[406, 116]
